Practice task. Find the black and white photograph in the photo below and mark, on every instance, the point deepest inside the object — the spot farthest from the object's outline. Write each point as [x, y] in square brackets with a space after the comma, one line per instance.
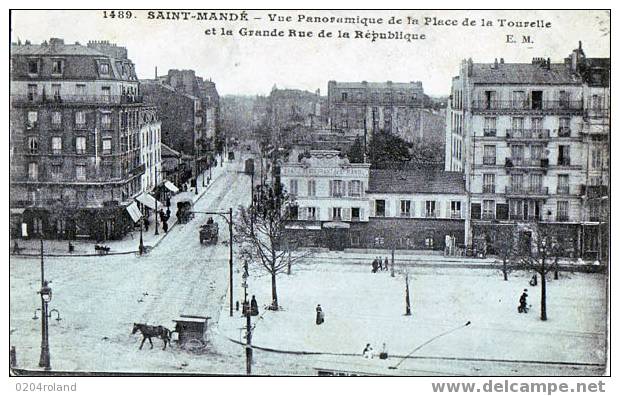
[302, 193]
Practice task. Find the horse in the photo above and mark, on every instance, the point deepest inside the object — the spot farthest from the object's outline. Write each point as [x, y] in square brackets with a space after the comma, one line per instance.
[152, 331]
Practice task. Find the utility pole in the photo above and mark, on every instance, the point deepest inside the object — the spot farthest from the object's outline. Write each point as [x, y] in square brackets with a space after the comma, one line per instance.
[247, 310]
[230, 258]
[407, 301]
[44, 360]
[155, 189]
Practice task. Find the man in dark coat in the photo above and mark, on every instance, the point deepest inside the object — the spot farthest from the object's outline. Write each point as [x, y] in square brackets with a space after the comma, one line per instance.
[253, 306]
[385, 264]
[319, 315]
[523, 302]
[375, 265]
[165, 226]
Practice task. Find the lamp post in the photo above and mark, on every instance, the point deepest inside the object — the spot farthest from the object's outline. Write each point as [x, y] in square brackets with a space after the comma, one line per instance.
[247, 311]
[46, 297]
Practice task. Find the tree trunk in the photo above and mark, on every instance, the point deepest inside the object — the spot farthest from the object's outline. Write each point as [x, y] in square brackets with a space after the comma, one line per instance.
[543, 296]
[556, 275]
[505, 270]
[274, 293]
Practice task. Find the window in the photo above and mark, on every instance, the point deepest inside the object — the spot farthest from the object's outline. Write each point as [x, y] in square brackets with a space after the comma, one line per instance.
[405, 208]
[380, 208]
[106, 93]
[490, 99]
[430, 209]
[455, 209]
[345, 123]
[80, 119]
[80, 172]
[489, 157]
[429, 242]
[33, 145]
[562, 211]
[80, 145]
[80, 89]
[564, 130]
[488, 209]
[106, 146]
[106, 121]
[336, 213]
[56, 171]
[56, 145]
[536, 152]
[311, 213]
[597, 158]
[516, 209]
[33, 171]
[345, 96]
[563, 186]
[104, 68]
[564, 155]
[564, 99]
[537, 100]
[57, 66]
[56, 119]
[355, 188]
[517, 154]
[33, 66]
[488, 183]
[516, 182]
[536, 183]
[518, 100]
[33, 91]
[293, 212]
[517, 123]
[56, 92]
[312, 188]
[490, 126]
[356, 214]
[537, 123]
[31, 121]
[337, 188]
[293, 187]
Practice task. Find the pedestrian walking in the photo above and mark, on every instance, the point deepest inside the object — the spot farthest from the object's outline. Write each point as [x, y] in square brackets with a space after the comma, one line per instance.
[380, 266]
[375, 265]
[320, 317]
[16, 248]
[367, 352]
[523, 302]
[164, 225]
[253, 306]
[534, 280]
[168, 203]
[168, 213]
[386, 263]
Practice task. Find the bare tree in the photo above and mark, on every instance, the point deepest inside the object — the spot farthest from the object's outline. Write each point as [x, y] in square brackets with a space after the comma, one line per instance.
[504, 246]
[538, 256]
[263, 239]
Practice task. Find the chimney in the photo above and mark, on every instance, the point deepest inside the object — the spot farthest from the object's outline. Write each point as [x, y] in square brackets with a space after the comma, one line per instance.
[501, 61]
[156, 72]
[495, 65]
[580, 45]
[548, 63]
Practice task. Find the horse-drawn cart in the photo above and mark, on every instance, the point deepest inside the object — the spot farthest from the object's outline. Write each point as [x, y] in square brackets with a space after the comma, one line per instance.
[184, 211]
[191, 330]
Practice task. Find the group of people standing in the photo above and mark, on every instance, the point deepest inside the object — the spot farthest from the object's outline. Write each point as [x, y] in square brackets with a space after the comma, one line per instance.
[378, 265]
[164, 217]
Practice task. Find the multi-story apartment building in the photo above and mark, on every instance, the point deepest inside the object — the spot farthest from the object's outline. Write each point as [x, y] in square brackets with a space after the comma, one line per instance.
[362, 108]
[330, 194]
[517, 131]
[75, 122]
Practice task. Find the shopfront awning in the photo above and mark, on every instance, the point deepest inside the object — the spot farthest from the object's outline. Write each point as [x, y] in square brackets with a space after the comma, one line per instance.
[149, 201]
[170, 186]
[134, 212]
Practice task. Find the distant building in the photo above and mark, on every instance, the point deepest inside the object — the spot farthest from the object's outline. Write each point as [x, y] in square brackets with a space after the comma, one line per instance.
[75, 139]
[362, 108]
[532, 142]
[289, 108]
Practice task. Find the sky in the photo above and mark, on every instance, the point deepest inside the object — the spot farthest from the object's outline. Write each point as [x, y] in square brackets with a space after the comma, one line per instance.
[253, 65]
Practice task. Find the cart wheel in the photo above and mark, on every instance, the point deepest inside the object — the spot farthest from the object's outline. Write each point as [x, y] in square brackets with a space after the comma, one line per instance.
[194, 345]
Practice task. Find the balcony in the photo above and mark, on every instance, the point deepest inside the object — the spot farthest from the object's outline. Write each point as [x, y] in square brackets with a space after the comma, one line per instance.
[509, 106]
[490, 189]
[76, 99]
[489, 161]
[527, 191]
[527, 134]
[594, 191]
[526, 163]
[564, 132]
[487, 216]
[455, 215]
[489, 132]
[561, 217]
[431, 215]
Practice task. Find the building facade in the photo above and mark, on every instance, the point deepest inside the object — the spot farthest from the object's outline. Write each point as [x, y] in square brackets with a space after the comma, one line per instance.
[75, 139]
[361, 108]
[518, 132]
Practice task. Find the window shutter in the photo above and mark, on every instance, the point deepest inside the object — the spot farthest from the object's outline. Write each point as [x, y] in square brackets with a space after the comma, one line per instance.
[372, 208]
[330, 213]
[346, 214]
[318, 213]
[349, 188]
[331, 188]
[387, 208]
[361, 214]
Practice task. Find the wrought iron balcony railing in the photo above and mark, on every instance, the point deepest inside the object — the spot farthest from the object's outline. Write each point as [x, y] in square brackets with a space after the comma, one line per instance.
[529, 134]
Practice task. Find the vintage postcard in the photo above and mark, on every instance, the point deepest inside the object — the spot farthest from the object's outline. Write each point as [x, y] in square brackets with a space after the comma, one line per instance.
[310, 193]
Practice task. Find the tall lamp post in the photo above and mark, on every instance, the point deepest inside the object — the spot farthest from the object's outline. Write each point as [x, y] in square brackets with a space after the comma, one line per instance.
[46, 297]
[156, 227]
[247, 311]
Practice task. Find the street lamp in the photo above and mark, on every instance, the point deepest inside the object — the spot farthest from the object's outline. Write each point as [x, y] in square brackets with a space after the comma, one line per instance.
[156, 228]
[46, 297]
[247, 311]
